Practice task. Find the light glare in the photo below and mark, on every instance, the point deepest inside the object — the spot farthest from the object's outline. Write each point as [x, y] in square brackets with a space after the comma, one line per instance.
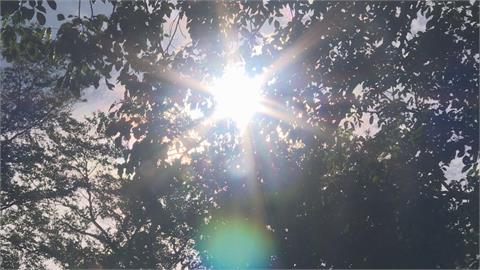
[237, 96]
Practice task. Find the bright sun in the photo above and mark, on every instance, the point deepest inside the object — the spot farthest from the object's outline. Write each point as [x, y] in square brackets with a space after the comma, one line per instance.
[236, 96]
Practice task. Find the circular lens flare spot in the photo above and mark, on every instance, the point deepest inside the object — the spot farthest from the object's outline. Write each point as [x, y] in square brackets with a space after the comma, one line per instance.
[236, 244]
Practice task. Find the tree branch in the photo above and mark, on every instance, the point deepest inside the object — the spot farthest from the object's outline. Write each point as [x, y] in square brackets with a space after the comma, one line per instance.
[173, 35]
[91, 8]
[41, 121]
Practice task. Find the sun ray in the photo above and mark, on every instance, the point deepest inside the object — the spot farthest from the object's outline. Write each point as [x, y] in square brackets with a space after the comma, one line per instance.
[232, 100]
[280, 112]
[186, 81]
[306, 41]
[253, 185]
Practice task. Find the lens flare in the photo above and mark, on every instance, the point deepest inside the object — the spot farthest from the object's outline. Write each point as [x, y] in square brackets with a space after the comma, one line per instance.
[236, 96]
[236, 244]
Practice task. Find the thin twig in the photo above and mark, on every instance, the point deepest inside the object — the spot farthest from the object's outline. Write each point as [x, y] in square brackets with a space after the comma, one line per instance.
[7, 140]
[91, 8]
[173, 35]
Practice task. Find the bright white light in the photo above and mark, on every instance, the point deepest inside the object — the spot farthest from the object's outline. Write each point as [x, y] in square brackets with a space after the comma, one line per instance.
[236, 96]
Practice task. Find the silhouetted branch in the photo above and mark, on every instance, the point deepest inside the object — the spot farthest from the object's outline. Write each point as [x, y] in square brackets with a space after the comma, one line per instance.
[173, 35]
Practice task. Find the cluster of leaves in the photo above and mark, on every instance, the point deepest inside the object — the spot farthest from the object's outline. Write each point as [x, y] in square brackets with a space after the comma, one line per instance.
[387, 198]
[62, 200]
[27, 12]
[361, 201]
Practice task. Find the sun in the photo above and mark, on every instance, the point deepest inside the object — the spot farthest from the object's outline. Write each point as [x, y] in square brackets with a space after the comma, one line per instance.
[236, 96]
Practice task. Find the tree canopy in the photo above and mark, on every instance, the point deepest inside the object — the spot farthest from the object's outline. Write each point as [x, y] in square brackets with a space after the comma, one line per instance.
[365, 107]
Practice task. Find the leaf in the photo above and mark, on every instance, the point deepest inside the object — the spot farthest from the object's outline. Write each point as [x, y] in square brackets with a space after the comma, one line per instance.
[109, 85]
[8, 35]
[118, 141]
[41, 8]
[27, 13]
[472, 172]
[60, 17]
[96, 84]
[276, 24]
[52, 4]
[466, 168]
[41, 18]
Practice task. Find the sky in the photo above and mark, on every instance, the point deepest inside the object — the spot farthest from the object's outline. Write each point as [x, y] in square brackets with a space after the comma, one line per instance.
[102, 98]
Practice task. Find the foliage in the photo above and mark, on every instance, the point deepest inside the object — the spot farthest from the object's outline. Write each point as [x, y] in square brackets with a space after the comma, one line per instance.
[62, 199]
[344, 200]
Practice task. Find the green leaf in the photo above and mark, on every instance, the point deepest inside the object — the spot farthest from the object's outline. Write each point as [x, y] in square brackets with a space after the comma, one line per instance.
[60, 17]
